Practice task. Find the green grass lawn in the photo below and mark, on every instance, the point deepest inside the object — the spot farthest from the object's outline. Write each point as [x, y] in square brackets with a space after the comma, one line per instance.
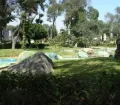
[62, 51]
[87, 67]
[10, 52]
[56, 49]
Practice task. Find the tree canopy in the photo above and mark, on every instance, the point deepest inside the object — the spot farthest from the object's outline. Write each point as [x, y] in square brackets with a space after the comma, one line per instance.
[81, 19]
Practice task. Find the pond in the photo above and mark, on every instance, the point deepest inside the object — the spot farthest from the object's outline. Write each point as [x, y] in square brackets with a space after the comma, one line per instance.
[6, 61]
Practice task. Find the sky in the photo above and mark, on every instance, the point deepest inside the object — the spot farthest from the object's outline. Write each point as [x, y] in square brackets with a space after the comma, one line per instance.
[103, 6]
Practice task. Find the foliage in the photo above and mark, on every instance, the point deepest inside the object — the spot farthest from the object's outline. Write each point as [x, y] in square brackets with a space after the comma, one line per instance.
[89, 35]
[51, 30]
[74, 11]
[26, 9]
[73, 86]
[54, 10]
[60, 40]
[5, 15]
[114, 22]
[35, 31]
[78, 19]
[10, 27]
[31, 6]
[8, 45]
[93, 13]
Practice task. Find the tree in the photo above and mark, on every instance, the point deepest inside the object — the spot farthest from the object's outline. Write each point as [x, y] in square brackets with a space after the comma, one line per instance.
[104, 28]
[5, 14]
[78, 19]
[11, 27]
[61, 38]
[47, 28]
[54, 10]
[117, 10]
[116, 29]
[93, 13]
[114, 21]
[110, 19]
[74, 12]
[36, 32]
[28, 7]
[52, 29]
[115, 24]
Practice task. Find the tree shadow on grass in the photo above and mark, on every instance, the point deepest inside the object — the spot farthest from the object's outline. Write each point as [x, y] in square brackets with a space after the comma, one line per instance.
[88, 66]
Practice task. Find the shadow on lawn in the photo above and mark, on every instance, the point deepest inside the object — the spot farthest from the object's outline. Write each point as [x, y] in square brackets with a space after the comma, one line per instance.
[88, 66]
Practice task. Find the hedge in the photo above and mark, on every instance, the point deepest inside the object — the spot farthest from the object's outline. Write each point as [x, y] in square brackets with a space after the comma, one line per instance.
[26, 89]
[18, 46]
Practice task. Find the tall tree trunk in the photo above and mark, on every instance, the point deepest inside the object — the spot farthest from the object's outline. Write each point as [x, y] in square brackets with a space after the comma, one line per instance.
[24, 41]
[51, 33]
[29, 42]
[53, 25]
[102, 37]
[13, 43]
[14, 40]
[111, 29]
[69, 30]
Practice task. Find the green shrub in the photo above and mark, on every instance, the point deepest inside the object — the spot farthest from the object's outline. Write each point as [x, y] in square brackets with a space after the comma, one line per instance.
[23, 89]
[33, 45]
[9, 46]
[41, 46]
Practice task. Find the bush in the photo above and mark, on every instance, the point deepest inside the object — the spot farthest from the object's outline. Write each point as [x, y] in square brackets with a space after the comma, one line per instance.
[26, 89]
[33, 45]
[41, 46]
[9, 46]
[18, 46]
[81, 44]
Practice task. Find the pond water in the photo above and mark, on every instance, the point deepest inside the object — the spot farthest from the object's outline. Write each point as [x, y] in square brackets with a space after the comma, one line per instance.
[7, 61]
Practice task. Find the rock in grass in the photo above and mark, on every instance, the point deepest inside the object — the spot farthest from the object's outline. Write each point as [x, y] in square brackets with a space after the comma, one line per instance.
[38, 63]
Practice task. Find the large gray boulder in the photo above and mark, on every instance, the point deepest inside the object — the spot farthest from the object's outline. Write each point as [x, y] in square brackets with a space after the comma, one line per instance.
[38, 63]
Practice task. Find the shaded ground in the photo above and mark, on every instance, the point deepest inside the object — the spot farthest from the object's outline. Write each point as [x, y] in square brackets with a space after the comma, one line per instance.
[87, 66]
